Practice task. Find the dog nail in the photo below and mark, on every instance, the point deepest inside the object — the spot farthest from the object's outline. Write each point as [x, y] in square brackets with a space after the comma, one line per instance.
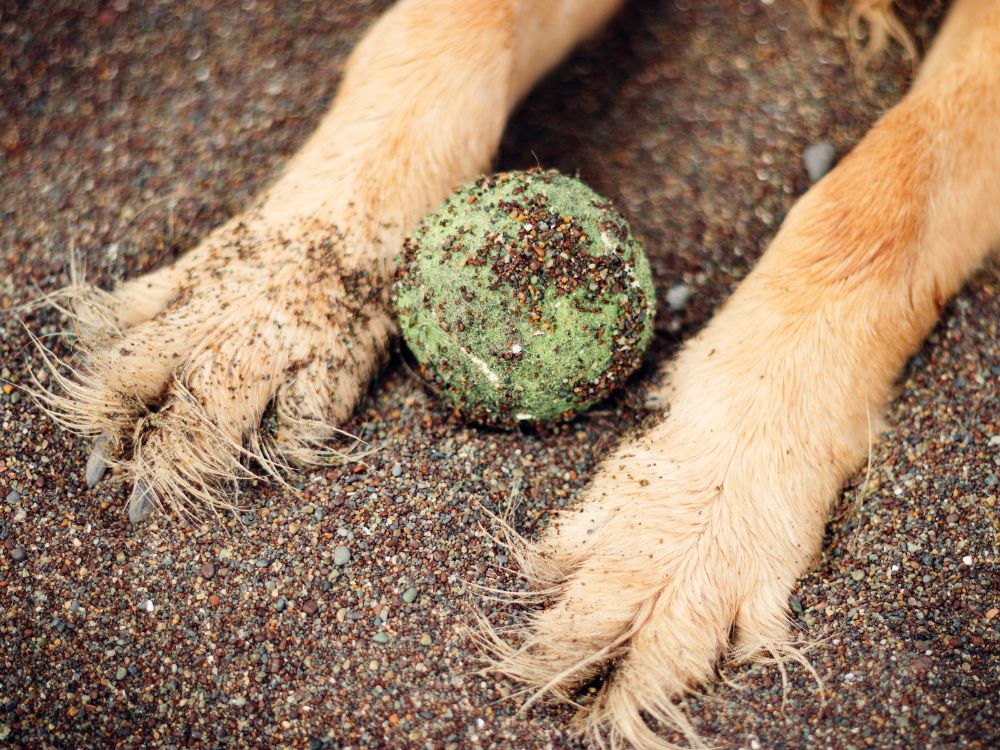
[140, 502]
[96, 463]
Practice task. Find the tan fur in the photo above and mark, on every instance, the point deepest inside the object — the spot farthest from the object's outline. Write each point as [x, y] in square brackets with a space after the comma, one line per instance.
[867, 26]
[696, 528]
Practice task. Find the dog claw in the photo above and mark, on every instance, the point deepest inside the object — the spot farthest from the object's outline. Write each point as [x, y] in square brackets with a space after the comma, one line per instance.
[140, 502]
[96, 463]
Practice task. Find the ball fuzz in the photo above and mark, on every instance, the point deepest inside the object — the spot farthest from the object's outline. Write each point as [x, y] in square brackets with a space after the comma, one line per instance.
[524, 298]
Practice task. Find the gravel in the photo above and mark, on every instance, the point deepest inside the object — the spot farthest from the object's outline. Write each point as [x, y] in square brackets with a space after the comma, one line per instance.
[818, 159]
[341, 555]
[130, 129]
[677, 296]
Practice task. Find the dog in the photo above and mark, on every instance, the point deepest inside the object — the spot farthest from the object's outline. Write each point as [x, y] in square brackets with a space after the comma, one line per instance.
[690, 537]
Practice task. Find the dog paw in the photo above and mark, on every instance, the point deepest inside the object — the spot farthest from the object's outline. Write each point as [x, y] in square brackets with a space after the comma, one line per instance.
[672, 562]
[686, 546]
[176, 371]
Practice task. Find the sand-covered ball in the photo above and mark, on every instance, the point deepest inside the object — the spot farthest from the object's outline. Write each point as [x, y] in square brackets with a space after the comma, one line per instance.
[524, 298]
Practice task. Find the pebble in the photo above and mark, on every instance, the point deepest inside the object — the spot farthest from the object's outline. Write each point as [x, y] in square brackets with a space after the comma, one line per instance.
[20, 515]
[819, 159]
[409, 595]
[18, 554]
[310, 606]
[397, 469]
[425, 639]
[381, 637]
[677, 296]
[13, 496]
[341, 556]
[281, 604]
[120, 674]
[207, 570]
[858, 575]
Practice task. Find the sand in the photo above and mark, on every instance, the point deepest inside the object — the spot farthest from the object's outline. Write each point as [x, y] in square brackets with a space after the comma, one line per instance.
[337, 615]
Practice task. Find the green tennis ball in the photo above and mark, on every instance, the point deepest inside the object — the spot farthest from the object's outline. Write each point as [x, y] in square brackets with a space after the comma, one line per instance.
[524, 298]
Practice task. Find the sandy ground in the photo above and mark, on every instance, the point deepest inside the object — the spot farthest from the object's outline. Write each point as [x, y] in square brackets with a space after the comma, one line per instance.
[127, 130]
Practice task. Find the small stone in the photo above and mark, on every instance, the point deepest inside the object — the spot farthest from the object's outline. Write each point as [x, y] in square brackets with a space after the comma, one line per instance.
[795, 604]
[373, 665]
[858, 575]
[120, 674]
[281, 604]
[310, 606]
[425, 639]
[341, 556]
[409, 595]
[397, 469]
[239, 701]
[991, 613]
[678, 296]
[20, 515]
[381, 637]
[18, 554]
[207, 570]
[13, 496]
[819, 159]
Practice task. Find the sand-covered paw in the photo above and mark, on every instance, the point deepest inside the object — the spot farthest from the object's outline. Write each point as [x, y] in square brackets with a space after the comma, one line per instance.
[675, 559]
[175, 372]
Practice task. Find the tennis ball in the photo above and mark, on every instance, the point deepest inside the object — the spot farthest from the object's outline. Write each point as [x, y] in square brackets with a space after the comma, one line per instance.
[524, 298]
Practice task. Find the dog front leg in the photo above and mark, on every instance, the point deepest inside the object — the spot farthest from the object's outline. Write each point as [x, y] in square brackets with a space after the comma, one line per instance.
[686, 545]
[286, 305]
